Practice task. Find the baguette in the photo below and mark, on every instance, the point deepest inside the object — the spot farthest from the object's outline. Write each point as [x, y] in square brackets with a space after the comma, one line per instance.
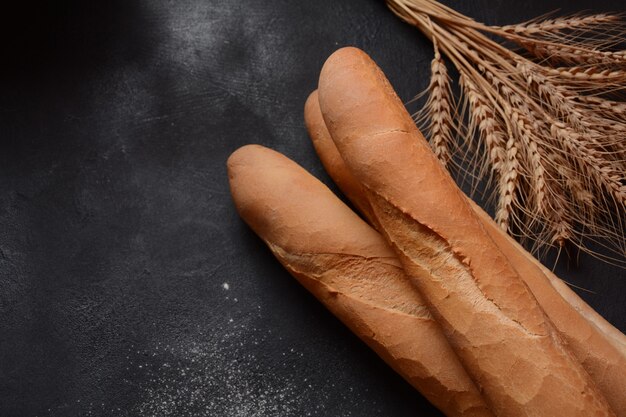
[348, 266]
[597, 345]
[492, 320]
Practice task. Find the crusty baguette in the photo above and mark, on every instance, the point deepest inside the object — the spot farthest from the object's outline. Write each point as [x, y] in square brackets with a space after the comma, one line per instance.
[506, 343]
[597, 345]
[349, 267]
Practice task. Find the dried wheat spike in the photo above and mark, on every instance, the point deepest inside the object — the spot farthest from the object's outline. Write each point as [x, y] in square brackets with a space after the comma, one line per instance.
[588, 73]
[439, 110]
[508, 186]
[573, 55]
[488, 126]
[612, 107]
[545, 128]
[537, 27]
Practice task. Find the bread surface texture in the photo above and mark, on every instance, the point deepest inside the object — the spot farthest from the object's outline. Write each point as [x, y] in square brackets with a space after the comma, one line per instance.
[349, 267]
[597, 345]
[492, 320]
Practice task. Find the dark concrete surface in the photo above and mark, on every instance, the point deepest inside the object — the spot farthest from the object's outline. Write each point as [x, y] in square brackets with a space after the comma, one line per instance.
[128, 284]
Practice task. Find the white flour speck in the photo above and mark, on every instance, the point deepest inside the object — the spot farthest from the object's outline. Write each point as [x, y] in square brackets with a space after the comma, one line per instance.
[226, 286]
[216, 375]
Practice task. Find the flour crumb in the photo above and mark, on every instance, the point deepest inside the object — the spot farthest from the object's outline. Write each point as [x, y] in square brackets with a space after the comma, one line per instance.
[226, 286]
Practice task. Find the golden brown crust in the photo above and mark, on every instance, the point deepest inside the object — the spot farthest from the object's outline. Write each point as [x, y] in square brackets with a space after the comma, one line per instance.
[601, 356]
[494, 323]
[331, 159]
[346, 235]
[597, 345]
[618, 339]
[349, 268]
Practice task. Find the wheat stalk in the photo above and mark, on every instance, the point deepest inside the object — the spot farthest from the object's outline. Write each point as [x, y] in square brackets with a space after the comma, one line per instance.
[544, 126]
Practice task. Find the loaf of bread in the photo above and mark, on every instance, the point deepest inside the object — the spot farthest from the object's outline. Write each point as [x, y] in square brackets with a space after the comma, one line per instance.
[597, 345]
[492, 320]
[349, 267]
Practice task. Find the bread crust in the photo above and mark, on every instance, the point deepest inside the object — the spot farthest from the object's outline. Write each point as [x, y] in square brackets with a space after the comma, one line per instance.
[349, 267]
[597, 345]
[492, 320]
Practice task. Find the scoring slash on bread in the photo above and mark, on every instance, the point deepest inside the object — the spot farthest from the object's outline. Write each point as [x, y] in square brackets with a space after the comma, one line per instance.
[492, 320]
[597, 345]
[349, 267]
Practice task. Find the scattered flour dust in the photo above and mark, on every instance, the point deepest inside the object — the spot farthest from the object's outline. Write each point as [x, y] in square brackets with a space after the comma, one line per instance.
[221, 372]
[218, 377]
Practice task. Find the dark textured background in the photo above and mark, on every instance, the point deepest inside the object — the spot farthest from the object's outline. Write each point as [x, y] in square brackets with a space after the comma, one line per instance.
[128, 285]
